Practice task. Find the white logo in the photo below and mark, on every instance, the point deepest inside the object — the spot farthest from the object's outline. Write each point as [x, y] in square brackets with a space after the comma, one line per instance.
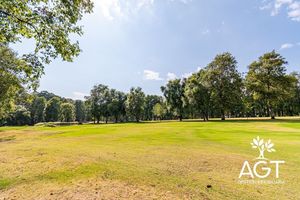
[262, 168]
[262, 147]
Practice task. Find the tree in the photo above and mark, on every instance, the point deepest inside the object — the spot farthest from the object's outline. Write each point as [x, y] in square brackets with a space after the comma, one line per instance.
[47, 95]
[52, 110]
[19, 117]
[174, 94]
[16, 75]
[150, 101]
[100, 99]
[135, 103]
[225, 83]
[116, 106]
[88, 110]
[296, 99]
[67, 112]
[49, 23]
[80, 111]
[198, 94]
[267, 81]
[37, 111]
[158, 111]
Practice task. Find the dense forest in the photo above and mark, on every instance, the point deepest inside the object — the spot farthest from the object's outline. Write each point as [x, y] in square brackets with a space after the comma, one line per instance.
[218, 90]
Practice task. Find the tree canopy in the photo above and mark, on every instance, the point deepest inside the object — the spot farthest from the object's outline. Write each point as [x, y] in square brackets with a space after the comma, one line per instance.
[49, 22]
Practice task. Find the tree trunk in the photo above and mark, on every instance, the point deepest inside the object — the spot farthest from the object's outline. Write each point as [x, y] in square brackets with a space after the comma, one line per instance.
[272, 113]
[222, 115]
[180, 118]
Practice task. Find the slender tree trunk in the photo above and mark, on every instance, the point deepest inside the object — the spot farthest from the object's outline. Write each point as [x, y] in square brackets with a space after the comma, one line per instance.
[222, 115]
[272, 113]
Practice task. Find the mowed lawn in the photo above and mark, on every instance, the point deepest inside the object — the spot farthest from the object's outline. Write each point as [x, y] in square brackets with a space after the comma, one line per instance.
[166, 160]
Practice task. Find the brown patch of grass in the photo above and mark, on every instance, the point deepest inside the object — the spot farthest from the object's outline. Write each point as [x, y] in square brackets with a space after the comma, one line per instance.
[90, 189]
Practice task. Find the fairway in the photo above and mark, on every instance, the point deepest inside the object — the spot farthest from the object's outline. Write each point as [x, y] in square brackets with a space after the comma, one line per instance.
[166, 160]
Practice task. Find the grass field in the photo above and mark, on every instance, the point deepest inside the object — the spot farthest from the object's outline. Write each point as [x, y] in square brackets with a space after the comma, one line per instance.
[167, 160]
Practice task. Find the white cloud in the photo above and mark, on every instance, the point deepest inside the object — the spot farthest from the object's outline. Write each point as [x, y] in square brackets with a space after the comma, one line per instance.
[110, 9]
[286, 46]
[289, 45]
[294, 11]
[171, 76]
[151, 75]
[79, 95]
[292, 8]
[117, 9]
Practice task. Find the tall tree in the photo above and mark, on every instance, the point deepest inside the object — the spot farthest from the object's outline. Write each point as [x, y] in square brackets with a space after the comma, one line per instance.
[174, 94]
[37, 111]
[67, 112]
[198, 93]
[268, 82]
[135, 103]
[80, 111]
[150, 102]
[52, 110]
[116, 106]
[225, 83]
[100, 99]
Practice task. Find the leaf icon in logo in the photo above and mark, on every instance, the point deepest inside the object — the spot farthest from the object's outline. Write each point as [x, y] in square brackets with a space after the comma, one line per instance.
[262, 147]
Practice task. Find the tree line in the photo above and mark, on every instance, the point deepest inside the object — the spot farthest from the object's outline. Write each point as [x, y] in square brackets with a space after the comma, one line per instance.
[217, 90]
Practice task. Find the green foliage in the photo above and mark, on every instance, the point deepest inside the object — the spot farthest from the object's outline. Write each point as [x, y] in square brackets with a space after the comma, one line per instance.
[100, 99]
[116, 106]
[158, 111]
[37, 110]
[198, 93]
[150, 102]
[80, 111]
[47, 95]
[225, 83]
[52, 110]
[267, 81]
[49, 22]
[19, 117]
[174, 94]
[67, 112]
[135, 103]
[15, 75]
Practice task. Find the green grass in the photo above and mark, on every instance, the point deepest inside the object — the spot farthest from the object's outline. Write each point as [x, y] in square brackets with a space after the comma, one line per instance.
[181, 157]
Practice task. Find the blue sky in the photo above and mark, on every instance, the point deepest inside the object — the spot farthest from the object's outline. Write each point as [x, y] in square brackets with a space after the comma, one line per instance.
[146, 42]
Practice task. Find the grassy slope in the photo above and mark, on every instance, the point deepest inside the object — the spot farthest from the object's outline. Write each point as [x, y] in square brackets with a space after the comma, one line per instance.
[182, 158]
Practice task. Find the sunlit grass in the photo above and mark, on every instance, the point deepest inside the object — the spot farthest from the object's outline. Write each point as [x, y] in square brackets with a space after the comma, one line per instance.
[181, 157]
